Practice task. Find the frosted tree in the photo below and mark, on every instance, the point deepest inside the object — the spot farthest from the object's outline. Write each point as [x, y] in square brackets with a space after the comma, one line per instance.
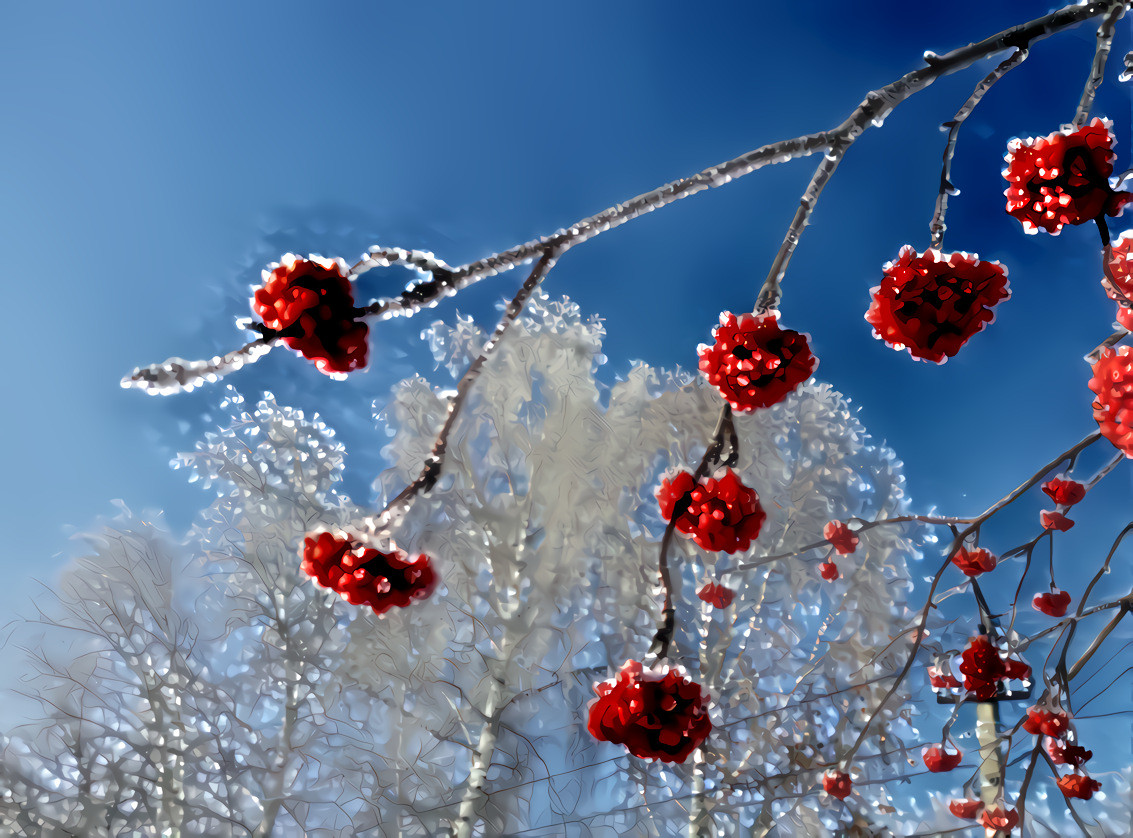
[677, 604]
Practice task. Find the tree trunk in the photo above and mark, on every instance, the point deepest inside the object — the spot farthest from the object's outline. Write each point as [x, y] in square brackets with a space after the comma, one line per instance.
[474, 797]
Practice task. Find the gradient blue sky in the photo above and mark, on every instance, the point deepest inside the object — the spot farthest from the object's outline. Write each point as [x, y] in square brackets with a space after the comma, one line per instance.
[158, 155]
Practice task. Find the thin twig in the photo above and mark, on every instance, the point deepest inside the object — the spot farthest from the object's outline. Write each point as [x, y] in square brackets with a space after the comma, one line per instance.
[383, 257]
[723, 435]
[388, 518]
[937, 227]
[444, 282]
[771, 292]
[1071, 454]
[1097, 69]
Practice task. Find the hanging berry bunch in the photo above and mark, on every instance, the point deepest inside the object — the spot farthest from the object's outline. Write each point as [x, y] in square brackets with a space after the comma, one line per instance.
[974, 562]
[1112, 384]
[933, 303]
[1118, 281]
[753, 362]
[364, 576]
[985, 668]
[1063, 178]
[309, 303]
[657, 714]
[718, 513]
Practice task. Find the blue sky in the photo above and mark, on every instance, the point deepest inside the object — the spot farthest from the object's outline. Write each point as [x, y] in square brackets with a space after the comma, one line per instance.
[158, 155]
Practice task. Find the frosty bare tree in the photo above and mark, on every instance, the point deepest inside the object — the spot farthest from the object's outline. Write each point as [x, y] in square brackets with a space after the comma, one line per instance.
[770, 678]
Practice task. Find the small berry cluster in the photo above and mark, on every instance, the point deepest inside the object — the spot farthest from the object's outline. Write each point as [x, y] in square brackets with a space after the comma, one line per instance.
[309, 303]
[718, 596]
[1054, 723]
[364, 576]
[1112, 384]
[975, 561]
[985, 667]
[754, 363]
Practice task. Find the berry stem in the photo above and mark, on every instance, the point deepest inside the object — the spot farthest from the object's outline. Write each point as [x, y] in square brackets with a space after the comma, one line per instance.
[395, 510]
[724, 433]
[937, 227]
[1097, 68]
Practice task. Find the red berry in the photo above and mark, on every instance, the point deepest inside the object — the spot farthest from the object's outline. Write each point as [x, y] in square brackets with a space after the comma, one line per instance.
[942, 680]
[1053, 604]
[1080, 786]
[1062, 178]
[969, 809]
[936, 759]
[829, 571]
[1112, 384]
[1064, 492]
[1055, 521]
[999, 818]
[837, 784]
[718, 596]
[364, 576]
[753, 362]
[843, 539]
[982, 667]
[933, 303]
[1067, 753]
[974, 562]
[1016, 670]
[1041, 720]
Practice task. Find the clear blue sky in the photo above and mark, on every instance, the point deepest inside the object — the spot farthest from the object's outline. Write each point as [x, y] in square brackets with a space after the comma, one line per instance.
[156, 156]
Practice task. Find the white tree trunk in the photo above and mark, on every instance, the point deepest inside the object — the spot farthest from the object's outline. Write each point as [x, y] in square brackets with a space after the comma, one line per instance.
[474, 796]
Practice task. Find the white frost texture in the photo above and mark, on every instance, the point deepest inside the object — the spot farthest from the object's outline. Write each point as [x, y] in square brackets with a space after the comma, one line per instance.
[220, 692]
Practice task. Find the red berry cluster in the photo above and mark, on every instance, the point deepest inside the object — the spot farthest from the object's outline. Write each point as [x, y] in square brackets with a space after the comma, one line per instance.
[837, 784]
[309, 303]
[1081, 786]
[933, 303]
[969, 809]
[1118, 282]
[718, 513]
[994, 818]
[1062, 178]
[1055, 520]
[974, 562]
[754, 363]
[1112, 384]
[1055, 725]
[941, 678]
[999, 818]
[1043, 721]
[984, 667]
[1067, 753]
[1064, 491]
[1053, 604]
[656, 714]
[841, 537]
[364, 576]
[937, 758]
[718, 596]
